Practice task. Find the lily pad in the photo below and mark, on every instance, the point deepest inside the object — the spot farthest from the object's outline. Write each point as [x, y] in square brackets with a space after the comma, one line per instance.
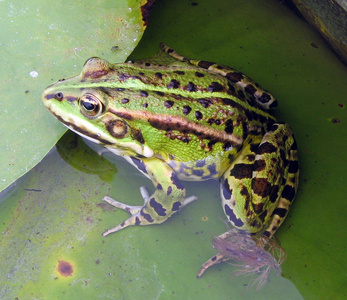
[45, 41]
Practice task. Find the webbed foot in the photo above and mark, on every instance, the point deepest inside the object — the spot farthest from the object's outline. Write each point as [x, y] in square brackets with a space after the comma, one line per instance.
[138, 214]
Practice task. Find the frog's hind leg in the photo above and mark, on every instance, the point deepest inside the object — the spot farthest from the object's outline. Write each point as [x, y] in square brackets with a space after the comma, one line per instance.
[260, 185]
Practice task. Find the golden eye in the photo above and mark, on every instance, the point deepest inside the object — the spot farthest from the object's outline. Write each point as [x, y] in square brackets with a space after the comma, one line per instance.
[90, 106]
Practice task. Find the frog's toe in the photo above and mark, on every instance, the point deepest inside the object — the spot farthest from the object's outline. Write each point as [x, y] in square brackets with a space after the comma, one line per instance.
[215, 260]
[133, 220]
[131, 209]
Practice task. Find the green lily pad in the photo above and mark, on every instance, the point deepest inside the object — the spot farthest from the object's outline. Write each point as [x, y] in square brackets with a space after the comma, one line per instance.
[53, 220]
[45, 41]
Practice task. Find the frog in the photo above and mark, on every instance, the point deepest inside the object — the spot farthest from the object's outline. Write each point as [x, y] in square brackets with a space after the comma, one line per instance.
[186, 120]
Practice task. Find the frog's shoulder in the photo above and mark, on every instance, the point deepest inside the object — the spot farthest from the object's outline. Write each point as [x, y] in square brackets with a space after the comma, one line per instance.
[241, 85]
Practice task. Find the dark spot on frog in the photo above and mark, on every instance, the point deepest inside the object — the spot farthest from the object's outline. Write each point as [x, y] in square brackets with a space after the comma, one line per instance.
[145, 105]
[159, 93]
[259, 165]
[137, 135]
[266, 147]
[123, 77]
[274, 194]
[235, 76]
[125, 100]
[241, 171]
[179, 72]
[210, 121]
[226, 147]
[205, 102]
[191, 87]
[264, 98]
[146, 217]
[205, 64]
[144, 94]
[281, 212]
[65, 268]
[212, 169]
[229, 126]
[97, 261]
[273, 104]
[293, 166]
[176, 206]
[159, 187]
[199, 75]
[176, 181]
[250, 89]
[139, 164]
[173, 84]
[229, 212]
[261, 187]
[198, 115]
[250, 157]
[186, 139]
[159, 209]
[186, 110]
[198, 172]
[169, 191]
[168, 103]
[288, 193]
[200, 163]
[226, 190]
[159, 75]
[215, 87]
[335, 120]
[266, 233]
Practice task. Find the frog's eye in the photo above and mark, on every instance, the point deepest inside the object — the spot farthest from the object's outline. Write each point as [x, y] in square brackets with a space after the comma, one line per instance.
[90, 106]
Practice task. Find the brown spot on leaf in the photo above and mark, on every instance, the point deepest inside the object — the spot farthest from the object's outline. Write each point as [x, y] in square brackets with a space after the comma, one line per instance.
[65, 268]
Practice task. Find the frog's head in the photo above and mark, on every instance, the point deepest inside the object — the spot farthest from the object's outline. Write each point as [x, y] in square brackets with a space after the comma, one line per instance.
[85, 104]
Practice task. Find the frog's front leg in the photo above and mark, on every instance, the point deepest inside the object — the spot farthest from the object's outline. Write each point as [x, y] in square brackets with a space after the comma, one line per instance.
[168, 198]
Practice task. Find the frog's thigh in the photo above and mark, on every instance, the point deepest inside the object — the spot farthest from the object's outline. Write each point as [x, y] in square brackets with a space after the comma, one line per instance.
[261, 182]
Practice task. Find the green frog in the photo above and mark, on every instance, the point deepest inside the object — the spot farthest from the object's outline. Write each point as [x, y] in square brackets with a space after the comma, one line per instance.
[186, 120]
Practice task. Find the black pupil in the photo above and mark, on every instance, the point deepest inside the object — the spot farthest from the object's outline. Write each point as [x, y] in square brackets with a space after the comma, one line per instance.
[88, 105]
